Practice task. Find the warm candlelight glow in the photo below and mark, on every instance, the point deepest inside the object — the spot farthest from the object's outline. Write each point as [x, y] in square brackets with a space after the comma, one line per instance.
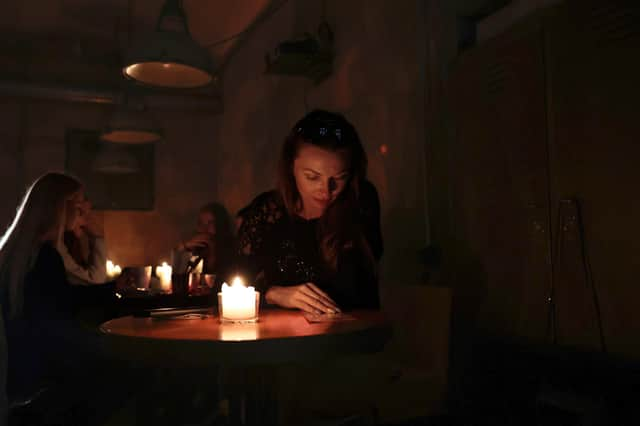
[238, 302]
[198, 268]
[147, 277]
[113, 270]
[238, 332]
[163, 272]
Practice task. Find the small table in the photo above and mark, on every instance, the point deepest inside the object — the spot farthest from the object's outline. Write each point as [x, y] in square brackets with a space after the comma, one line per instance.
[279, 337]
[130, 303]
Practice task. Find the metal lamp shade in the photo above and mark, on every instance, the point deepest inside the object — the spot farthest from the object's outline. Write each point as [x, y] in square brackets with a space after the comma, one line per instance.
[130, 126]
[114, 158]
[169, 59]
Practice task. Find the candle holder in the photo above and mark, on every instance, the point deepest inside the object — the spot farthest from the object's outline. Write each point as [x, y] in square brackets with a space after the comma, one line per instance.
[239, 314]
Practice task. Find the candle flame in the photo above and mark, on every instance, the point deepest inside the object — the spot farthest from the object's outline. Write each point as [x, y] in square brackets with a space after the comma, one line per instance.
[237, 285]
[113, 270]
[237, 282]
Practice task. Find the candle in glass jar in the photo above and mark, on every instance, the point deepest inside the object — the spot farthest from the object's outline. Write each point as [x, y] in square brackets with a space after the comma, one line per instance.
[238, 302]
[163, 272]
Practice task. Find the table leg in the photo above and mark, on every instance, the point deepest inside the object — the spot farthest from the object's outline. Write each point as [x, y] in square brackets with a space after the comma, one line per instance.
[251, 396]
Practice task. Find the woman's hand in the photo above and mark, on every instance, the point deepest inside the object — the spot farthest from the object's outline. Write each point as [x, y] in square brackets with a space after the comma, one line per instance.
[94, 223]
[306, 297]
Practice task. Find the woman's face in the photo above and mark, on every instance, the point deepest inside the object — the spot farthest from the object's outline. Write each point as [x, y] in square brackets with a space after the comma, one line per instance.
[77, 208]
[320, 175]
[206, 223]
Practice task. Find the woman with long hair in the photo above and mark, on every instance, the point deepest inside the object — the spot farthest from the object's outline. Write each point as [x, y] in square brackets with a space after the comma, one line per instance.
[315, 242]
[36, 231]
[45, 343]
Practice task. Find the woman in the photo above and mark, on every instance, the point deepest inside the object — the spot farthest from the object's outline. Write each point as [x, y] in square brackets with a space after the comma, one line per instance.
[212, 242]
[44, 342]
[314, 243]
[83, 250]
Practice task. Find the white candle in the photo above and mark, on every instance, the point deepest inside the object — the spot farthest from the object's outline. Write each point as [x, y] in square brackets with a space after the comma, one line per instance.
[113, 270]
[238, 302]
[164, 275]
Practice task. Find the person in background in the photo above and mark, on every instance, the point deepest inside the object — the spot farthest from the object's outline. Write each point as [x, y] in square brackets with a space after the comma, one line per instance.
[212, 241]
[45, 343]
[314, 243]
[83, 247]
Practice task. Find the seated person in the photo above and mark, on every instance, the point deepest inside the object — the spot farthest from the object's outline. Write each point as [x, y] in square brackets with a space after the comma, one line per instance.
[45, 343]
[212, 242]
[83, 248]
[314, 243]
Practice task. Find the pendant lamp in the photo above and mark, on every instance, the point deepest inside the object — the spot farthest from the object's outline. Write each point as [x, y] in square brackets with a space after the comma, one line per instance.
[169, 57]
[115, 158]
[131, 123]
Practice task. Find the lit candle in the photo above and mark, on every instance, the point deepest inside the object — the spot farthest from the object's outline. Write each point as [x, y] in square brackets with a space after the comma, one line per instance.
[237, 302]
[164, 275]
[113, 270]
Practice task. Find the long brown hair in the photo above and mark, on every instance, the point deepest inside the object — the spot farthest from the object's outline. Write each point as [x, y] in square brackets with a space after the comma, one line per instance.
[225, 242]
[339, 227]
[42, 212]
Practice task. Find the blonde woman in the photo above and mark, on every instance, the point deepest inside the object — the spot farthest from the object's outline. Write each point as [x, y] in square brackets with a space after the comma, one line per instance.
[84, 251]
[44, 342]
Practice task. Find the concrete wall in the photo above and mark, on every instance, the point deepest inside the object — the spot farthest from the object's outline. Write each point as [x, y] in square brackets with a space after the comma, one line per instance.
[377, 82]
[32, 142]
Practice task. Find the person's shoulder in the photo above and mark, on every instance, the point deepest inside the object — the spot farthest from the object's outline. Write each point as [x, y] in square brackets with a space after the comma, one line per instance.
[269, 202]
[258, 219]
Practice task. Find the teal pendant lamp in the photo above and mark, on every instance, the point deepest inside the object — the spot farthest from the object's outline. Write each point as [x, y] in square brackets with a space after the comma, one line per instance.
[169, 58]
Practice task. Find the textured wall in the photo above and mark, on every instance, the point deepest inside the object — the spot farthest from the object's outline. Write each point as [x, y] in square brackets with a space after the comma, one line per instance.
[32, 142]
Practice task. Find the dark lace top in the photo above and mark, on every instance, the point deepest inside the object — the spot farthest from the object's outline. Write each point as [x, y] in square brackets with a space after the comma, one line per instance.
[278, 249]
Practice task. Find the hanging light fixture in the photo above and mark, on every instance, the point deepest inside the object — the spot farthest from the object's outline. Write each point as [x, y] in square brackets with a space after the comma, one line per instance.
[131, 124]
[115, 158]
[170, 57]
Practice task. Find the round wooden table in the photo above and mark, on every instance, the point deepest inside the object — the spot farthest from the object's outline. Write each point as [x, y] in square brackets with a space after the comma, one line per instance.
[279, 337]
